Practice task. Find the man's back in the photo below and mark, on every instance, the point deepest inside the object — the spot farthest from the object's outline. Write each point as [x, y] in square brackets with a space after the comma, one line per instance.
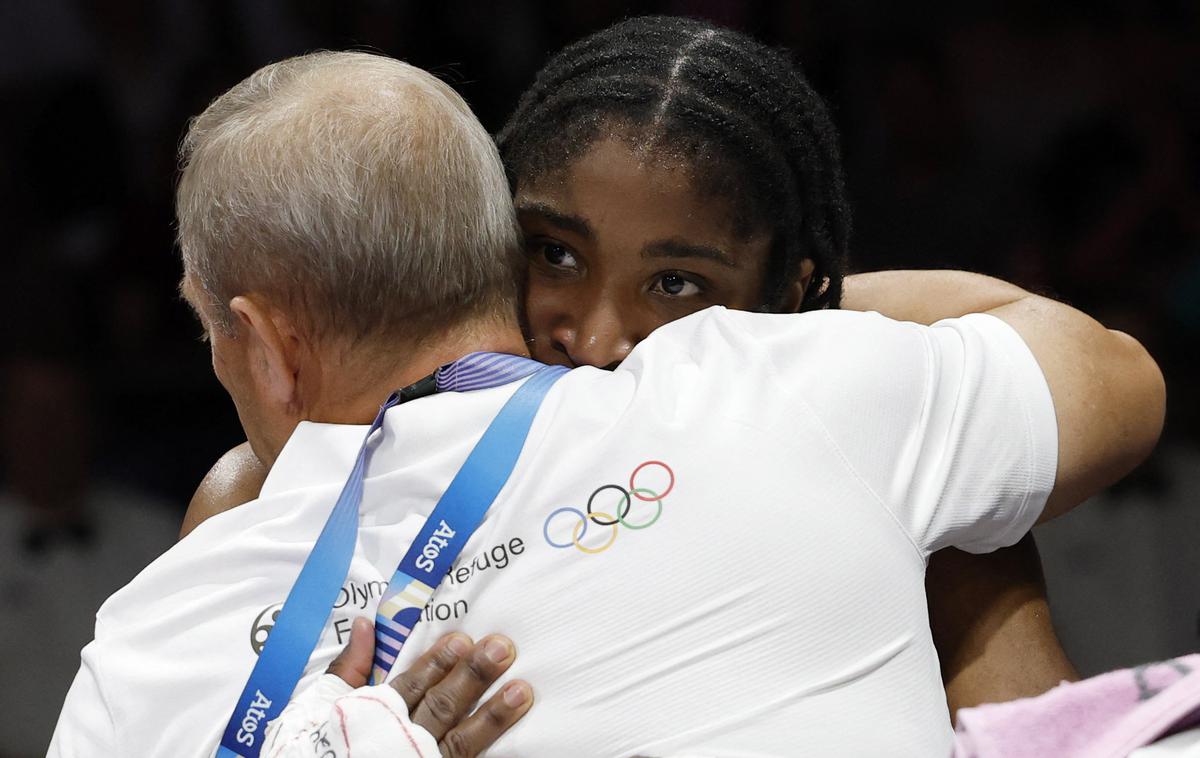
[764, 492]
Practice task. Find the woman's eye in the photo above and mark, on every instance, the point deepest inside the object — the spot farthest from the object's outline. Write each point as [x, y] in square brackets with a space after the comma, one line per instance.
[676, 285]
[557, 255]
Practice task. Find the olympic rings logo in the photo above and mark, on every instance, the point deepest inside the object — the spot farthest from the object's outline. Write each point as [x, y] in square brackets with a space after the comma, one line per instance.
[624, 501]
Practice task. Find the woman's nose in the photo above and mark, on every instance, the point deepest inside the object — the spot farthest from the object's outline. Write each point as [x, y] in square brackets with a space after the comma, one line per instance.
[598, 337]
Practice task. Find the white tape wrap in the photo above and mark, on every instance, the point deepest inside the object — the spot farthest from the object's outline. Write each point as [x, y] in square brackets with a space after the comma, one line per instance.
[330, 718]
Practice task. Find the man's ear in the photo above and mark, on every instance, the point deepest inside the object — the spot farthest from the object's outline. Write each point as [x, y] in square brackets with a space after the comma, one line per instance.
[273, 347]
[793, 296]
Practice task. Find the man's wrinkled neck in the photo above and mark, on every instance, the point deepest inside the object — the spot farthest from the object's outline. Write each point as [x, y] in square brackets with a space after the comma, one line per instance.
[356, 381]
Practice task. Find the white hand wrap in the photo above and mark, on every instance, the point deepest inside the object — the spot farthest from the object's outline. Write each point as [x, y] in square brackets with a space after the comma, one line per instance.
[330, 717]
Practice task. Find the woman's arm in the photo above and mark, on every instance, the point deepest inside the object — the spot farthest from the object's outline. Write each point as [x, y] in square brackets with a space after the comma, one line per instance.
[991, 625]
[988, 613]
[1107, 391]
[926, 297]
[235, 479]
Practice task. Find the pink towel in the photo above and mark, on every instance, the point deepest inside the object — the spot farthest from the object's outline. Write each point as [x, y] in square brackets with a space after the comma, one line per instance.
[1103, 717]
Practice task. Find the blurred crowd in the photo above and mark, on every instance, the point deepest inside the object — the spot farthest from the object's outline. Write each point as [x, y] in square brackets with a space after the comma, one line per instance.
[1053, 144]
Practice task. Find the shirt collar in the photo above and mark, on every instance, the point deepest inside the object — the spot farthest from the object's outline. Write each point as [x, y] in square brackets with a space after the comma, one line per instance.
[482, 370]
[318, 452]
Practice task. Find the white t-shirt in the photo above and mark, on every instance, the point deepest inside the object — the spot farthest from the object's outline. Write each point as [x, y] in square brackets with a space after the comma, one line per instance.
[806, 467]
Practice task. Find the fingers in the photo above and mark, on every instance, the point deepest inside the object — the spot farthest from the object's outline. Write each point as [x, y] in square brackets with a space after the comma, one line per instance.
[483, 727]
[431, 668]
[442, 687]
[353, 664]
[448, 701]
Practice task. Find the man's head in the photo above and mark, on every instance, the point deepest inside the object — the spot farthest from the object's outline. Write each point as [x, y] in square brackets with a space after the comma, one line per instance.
[335, 210]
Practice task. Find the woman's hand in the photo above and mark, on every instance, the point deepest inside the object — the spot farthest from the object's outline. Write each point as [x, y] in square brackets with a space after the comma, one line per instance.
[428, 709]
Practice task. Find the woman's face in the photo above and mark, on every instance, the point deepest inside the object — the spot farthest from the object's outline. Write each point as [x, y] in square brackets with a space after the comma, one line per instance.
[619, 245]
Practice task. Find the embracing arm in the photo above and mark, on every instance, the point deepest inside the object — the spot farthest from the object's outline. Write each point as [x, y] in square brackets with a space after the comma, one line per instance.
[235, 479]
[1108, 393]
[926, 297]
[988, 613]
[991, 624]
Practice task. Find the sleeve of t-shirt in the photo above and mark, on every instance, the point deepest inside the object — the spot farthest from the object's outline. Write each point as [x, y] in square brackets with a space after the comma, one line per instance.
[952, 426]
[85, 727]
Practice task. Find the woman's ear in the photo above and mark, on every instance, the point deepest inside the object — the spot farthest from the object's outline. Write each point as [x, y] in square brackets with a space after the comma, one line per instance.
[793, 295]
[273, 348]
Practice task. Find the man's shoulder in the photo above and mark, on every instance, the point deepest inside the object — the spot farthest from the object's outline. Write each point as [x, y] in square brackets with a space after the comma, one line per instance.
[203, 573]
[198, 613]
[824, 344]
[718, 325]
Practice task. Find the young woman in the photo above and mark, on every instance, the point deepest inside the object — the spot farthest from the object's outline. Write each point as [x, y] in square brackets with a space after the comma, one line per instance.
[665, 165]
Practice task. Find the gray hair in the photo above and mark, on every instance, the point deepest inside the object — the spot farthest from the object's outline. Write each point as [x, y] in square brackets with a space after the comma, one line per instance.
[358, 190]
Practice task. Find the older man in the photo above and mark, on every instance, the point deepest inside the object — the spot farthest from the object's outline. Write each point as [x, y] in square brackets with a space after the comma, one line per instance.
[717, 547]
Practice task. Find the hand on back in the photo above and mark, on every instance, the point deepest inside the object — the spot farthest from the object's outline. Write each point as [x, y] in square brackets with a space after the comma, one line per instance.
[431, 705]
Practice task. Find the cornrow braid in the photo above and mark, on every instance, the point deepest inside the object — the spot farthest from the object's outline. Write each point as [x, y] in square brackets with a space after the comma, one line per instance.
[740, 113]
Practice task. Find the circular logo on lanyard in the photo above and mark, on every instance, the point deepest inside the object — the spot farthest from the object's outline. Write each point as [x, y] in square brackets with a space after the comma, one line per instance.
[262, 626]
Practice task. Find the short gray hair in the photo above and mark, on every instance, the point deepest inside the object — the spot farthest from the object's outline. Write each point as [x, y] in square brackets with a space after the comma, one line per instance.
[359, 190]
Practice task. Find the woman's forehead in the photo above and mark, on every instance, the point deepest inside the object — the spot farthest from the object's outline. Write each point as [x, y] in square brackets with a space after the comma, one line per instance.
[616, 183]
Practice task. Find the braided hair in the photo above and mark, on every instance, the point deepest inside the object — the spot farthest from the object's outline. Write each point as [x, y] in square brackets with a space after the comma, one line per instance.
[740, 115]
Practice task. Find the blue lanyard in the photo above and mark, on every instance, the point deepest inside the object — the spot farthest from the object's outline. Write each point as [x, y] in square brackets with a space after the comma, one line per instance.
[457, 514]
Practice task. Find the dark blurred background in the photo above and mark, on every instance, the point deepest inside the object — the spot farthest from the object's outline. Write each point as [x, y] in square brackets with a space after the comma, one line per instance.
[1053, 144]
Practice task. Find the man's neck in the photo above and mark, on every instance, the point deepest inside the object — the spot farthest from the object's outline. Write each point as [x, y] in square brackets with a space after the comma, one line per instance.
[349, 400]
[424, 362]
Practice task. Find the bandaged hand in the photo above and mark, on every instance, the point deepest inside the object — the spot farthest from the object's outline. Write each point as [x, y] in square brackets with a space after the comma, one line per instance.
[427, 711]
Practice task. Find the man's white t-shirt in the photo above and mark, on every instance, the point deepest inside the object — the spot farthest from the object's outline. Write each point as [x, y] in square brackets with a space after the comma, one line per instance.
[763, 593]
